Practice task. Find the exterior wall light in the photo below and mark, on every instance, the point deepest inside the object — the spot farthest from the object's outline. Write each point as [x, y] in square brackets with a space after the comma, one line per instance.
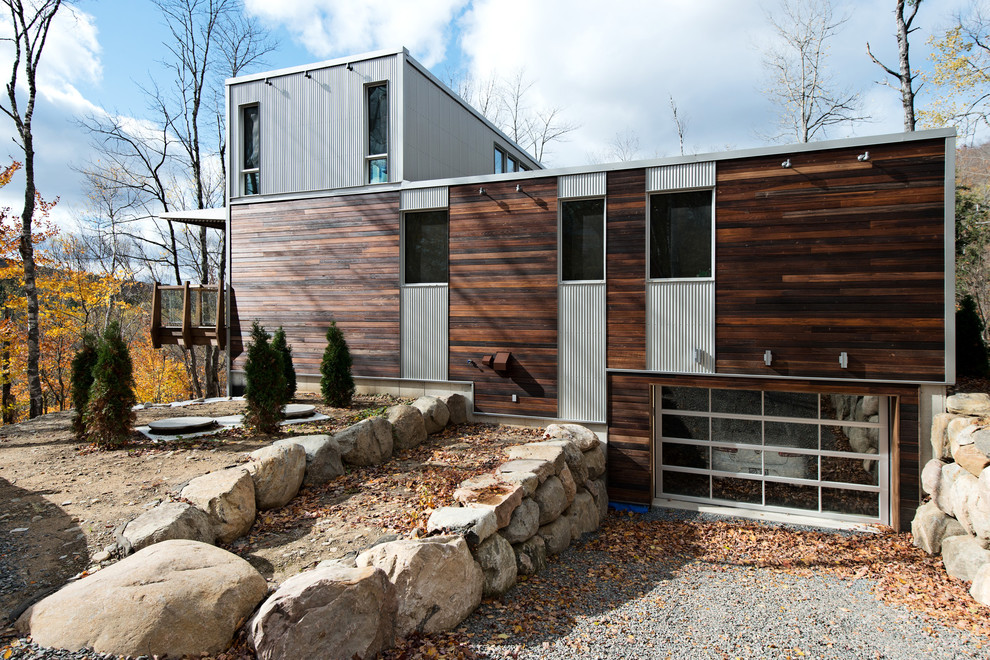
[863, 156]
[767, 358]
[844, 360]
[518, 187]
[481, 191]
[786, 163]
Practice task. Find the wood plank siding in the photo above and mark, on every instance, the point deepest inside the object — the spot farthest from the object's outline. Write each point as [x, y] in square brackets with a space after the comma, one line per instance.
[503, 293]
[832, 255]
[303, 263]
[630, 447]
[625, 264]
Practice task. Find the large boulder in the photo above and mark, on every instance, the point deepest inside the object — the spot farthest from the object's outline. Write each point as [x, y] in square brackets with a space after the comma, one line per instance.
[960, 432]
[963, 495]
[332, 611]
[488, 493]
[527, 480]
[981, 438]
[574, 458]
[552, 500]
[538, 451]
[435, 413]
[950, 474]
[931, 526]
[457, 407]
[583, 437]
[567, 481]
[542, 469]
[278, 472]
[474, 524]
[594, 462]
[556, 535]
[369, 442]
[940, 435]
[436, 579]
[963, 556]
[968, 404]
[228, 497]
[323, 462]
[931, 477]
[498, 564]
[524, 523]
[971, 459]
[175, 597]
[165, 522]
[582, 514]
[599, 491]
[531, 555]
[980, 591]
[408, 427]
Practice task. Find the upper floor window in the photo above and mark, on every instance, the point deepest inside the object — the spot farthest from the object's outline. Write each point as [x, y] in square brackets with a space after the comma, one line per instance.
[681, 235]
[582, 240]
[425, 247]
[377, 147]
[504, 162]
[251, 150]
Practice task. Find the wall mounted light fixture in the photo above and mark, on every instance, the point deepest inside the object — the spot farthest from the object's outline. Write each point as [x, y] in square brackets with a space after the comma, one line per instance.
[518, 187]
[767, 358]
[350, 67]
[786, 163]
[481, 191]
[306, 74]
[863, 156]
[268, 82]
[844, 360]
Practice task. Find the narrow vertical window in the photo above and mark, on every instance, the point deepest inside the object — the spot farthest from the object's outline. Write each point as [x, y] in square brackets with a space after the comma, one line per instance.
[425, 252]
[251, 148]
[681, 235]
[582, 240]
[377, 158]
[499, 161]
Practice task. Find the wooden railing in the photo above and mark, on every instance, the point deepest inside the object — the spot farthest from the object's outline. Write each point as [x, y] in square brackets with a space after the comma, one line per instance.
[188, 316]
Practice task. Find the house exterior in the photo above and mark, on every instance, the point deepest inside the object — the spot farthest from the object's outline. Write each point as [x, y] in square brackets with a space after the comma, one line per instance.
[766, 329]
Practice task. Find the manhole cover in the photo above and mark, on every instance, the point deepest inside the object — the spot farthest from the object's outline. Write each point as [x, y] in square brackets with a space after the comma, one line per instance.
[177, 425]
[299, 410]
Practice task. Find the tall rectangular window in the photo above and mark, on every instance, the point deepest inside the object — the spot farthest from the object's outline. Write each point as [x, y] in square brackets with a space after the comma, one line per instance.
[251, 149]
[582, 240]
[499, 161]
[681, 235]
[425, 247]
[377, 147]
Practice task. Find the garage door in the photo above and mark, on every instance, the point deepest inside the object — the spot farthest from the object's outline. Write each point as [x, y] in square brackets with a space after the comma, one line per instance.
[820, 454]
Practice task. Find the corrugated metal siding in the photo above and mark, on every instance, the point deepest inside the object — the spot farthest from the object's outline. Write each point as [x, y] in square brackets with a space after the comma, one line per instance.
[581, 185]
[680, 333]
[424, 198]
[424, 332]
[582, 384]
[312, 129]
[442, 138]
[678, 177]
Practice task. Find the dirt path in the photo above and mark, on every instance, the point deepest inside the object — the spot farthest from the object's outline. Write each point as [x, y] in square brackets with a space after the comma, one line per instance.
[60, 500]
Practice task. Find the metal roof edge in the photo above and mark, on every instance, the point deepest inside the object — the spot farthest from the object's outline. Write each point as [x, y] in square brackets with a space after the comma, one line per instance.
[350, 59]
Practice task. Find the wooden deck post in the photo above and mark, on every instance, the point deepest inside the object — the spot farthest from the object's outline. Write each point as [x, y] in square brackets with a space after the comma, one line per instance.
[187, 337]
[156, 317]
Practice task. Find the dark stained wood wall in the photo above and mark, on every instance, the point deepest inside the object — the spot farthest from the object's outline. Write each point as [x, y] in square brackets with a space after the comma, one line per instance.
[832, 255]
[630, 446]
[303, 263]
[503, 293]
[625, 264]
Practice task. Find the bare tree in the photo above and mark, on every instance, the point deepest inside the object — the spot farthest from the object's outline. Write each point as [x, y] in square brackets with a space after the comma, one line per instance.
[175, 161]
[678, 123]
[800, 84]
[903, 74]
[30, 27]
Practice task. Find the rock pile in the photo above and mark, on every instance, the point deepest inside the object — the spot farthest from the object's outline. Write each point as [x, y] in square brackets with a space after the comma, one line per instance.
[956, 521]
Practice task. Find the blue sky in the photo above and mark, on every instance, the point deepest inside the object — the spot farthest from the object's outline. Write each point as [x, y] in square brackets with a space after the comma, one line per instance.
[610, 67]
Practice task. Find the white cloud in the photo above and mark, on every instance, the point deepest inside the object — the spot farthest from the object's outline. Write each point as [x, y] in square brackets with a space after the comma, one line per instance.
[329, 28]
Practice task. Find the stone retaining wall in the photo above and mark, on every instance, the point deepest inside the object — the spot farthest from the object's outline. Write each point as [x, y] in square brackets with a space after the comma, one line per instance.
[507, 524]
[956, 521]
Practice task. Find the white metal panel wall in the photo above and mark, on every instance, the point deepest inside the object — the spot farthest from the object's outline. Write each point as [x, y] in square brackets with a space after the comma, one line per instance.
[312, 129]
[424, 331]
[680, 325]
[591, 184]
[442, 138]
[581, 351]
[424, 198]
[679, 177]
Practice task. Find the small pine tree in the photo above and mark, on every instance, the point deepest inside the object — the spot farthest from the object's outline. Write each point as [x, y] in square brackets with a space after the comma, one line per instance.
[971, 349]
[265, 391]
[109, 417]
[82, 379]
[282, 347]
[336, 382]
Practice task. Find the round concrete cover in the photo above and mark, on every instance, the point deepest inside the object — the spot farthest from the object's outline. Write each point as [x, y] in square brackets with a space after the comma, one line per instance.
[180, 425]
[298, 410]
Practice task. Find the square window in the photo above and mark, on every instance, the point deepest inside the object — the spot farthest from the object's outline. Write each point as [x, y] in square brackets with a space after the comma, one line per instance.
[681, 235]
[582, 240]
[425, 241]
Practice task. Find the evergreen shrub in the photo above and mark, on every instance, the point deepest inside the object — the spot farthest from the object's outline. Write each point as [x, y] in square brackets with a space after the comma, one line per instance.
[109, 417]
[82, 379]
[265, 391]
[282, 347]
[336, 382]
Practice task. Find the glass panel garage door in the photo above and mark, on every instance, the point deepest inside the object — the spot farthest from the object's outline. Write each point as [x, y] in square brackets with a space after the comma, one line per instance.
[819, 454]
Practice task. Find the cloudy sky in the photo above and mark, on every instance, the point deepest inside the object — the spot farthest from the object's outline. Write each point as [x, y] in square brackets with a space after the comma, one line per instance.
[611, 67]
